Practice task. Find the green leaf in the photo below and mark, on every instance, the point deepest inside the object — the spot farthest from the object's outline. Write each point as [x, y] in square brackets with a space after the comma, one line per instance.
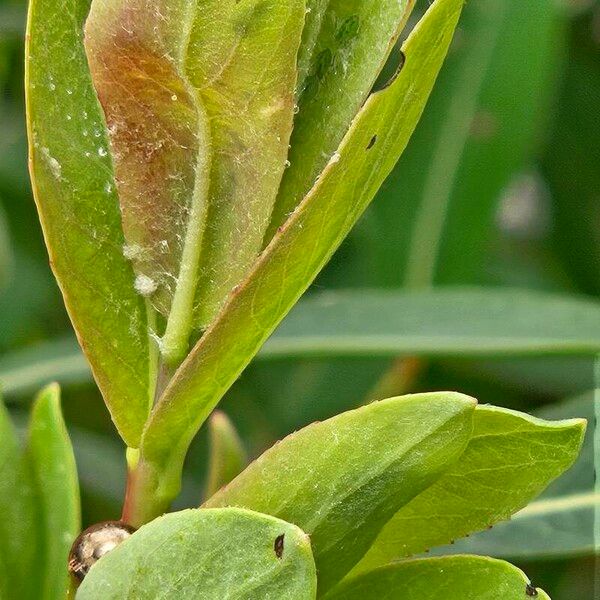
[442, 322]
[297, 253]
[208, 554]
[19, 544]
[219, 79]
[345, 47]
[75, 193]
[510, 459]
[438, 322]
[448, 578]
[257, 118]
[343, 479]
[561, 521]
[55, 481]
[227, 454]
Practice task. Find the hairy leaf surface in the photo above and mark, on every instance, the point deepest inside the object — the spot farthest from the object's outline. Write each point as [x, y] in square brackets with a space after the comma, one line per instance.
[510, 459]
[199, 107]
[208, 554]
[343, 479]
[345, 46]
[561, 521]
[449, 578]
[297, 253]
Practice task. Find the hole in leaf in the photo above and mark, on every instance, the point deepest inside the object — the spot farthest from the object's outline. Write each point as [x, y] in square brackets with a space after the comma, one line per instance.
[531, 590]
[278, 545]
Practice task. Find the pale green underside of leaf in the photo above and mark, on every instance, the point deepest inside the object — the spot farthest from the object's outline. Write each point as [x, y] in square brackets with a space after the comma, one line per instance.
[348, 45]
[561, 521]
[510, 459]
[199, 102]
[227, 456]
[75, 193]
[343, 479]
[449, 322]
[448, 578]
[294, 257]
[56, 486]
[208, 554]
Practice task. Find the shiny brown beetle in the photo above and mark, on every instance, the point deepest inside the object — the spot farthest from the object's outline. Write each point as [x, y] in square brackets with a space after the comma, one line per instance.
[93, 543]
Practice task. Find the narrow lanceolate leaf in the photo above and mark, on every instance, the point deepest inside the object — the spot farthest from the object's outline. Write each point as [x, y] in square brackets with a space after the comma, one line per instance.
[227, 454]
[447, 322]
[344, 48]
[561, 521]
[55, 482]
[298, 252]
[449, 578]
[208, 554]
[343, 479]
[510, 459]
[19, 542]
[76, 198]
[28, 369]
[438, 322]
[199, 106]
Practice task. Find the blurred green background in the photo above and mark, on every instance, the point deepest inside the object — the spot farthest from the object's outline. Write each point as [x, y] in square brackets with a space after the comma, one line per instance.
[500, 186]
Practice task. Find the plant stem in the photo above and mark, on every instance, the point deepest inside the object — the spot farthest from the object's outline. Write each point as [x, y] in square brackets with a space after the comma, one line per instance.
[143, 500]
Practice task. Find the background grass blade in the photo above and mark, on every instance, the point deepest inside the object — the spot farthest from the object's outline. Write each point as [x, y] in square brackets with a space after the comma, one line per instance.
[439, 322]
[443, 322]
[19, 540]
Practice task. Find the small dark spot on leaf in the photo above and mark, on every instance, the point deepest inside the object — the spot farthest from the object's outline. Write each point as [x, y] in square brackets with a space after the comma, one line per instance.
[311, 87]
[372, 142]
[348, 30]
[278, 545]
[531, 590]
[323, 63]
